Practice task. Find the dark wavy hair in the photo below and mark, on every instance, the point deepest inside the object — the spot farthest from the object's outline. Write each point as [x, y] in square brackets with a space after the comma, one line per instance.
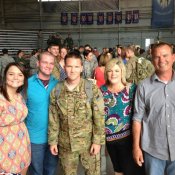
[22, 89]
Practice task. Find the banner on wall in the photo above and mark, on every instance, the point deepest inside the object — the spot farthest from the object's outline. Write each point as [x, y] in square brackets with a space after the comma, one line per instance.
[100, 18]
[74, 18]
[135, 15]
[162, 13]
[83, 18]
[89, 18]
[109, 18]
[64, 18]
[128, 17]
[118, 17]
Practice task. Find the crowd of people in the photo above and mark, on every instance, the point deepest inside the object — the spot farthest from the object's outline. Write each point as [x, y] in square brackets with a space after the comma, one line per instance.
[73, 105]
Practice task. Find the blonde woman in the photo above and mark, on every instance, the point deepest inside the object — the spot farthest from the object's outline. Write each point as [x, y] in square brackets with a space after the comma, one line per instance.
[118, 97]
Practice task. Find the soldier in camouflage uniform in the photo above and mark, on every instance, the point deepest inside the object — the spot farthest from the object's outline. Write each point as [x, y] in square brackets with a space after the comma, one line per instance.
[76, 123]
[54, 49]
[33, 62]
[137, 68]
[4, 60]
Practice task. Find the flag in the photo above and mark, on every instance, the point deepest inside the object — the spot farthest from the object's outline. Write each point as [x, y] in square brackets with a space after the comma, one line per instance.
[118, 17]
[83, 19]
[74, 18]
[64, 18]
[162, 13]
[100, 18]
[128, 17]
[109, 18]
[135, 18]
[89, 18]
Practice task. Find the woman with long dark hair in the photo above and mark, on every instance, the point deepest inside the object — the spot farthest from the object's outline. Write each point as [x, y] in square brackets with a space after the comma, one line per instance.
[15, 151]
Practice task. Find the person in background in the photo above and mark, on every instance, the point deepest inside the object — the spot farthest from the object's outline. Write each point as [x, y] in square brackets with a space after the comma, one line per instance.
[81, 49]
[15, 152]
[76, 120]
[20, 57]
[68, 42]
[153, 120]
[33, 62]
[99, 70]
[59, 66]
[118, 98]
[4, 60]
[137, 68]
[88, 64]
[118, 51]
[96, 52]
[53, 48]
[39, 88]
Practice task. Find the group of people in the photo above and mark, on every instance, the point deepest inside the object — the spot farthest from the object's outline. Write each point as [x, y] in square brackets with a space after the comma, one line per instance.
[43, 118]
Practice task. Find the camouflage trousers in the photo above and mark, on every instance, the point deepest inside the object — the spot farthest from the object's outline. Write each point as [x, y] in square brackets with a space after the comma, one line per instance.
[103, 160]
[70, 161]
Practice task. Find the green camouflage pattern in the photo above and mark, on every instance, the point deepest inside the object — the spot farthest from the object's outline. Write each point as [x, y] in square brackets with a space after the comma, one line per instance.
[74, 122]
[69, 162]
[33, 65]
[137, 69]
[4, 60]
[56, 71]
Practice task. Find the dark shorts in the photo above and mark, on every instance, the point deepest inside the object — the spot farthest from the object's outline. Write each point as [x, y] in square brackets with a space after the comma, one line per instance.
[120, 153]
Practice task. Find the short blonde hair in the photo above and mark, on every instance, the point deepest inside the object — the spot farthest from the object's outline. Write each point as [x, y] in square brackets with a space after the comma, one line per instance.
[111, 64]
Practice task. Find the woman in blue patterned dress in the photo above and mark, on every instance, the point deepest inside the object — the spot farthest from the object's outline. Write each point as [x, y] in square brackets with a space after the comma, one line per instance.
[118, 98]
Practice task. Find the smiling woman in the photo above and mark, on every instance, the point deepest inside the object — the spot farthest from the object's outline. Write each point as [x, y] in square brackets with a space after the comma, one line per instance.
[14, 139]
[118, 98]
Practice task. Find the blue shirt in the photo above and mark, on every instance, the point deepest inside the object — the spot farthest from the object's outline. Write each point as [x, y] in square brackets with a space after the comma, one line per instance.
[38, 108]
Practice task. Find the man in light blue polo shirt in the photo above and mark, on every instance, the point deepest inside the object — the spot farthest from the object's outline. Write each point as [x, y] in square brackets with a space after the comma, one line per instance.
[39, 88]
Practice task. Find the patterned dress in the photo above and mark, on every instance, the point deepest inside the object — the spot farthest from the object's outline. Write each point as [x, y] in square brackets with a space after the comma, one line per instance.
[118, 112]
[15, 152]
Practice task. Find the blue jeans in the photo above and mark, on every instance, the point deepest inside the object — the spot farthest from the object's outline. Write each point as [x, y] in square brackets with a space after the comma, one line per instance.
[155, 166]
[43, 162]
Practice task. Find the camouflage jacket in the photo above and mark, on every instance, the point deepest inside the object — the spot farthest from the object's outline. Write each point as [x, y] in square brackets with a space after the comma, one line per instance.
[4, 60]
[56, 71]
[137, 69]
[33, 64]
[74, 122]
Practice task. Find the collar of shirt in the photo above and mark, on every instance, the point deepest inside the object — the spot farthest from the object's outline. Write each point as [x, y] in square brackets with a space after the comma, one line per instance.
[77, 88]
[35, 77]
[156, 78]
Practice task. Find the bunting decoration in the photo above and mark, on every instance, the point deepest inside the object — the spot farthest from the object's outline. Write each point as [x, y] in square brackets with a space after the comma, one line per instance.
[111, 17]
